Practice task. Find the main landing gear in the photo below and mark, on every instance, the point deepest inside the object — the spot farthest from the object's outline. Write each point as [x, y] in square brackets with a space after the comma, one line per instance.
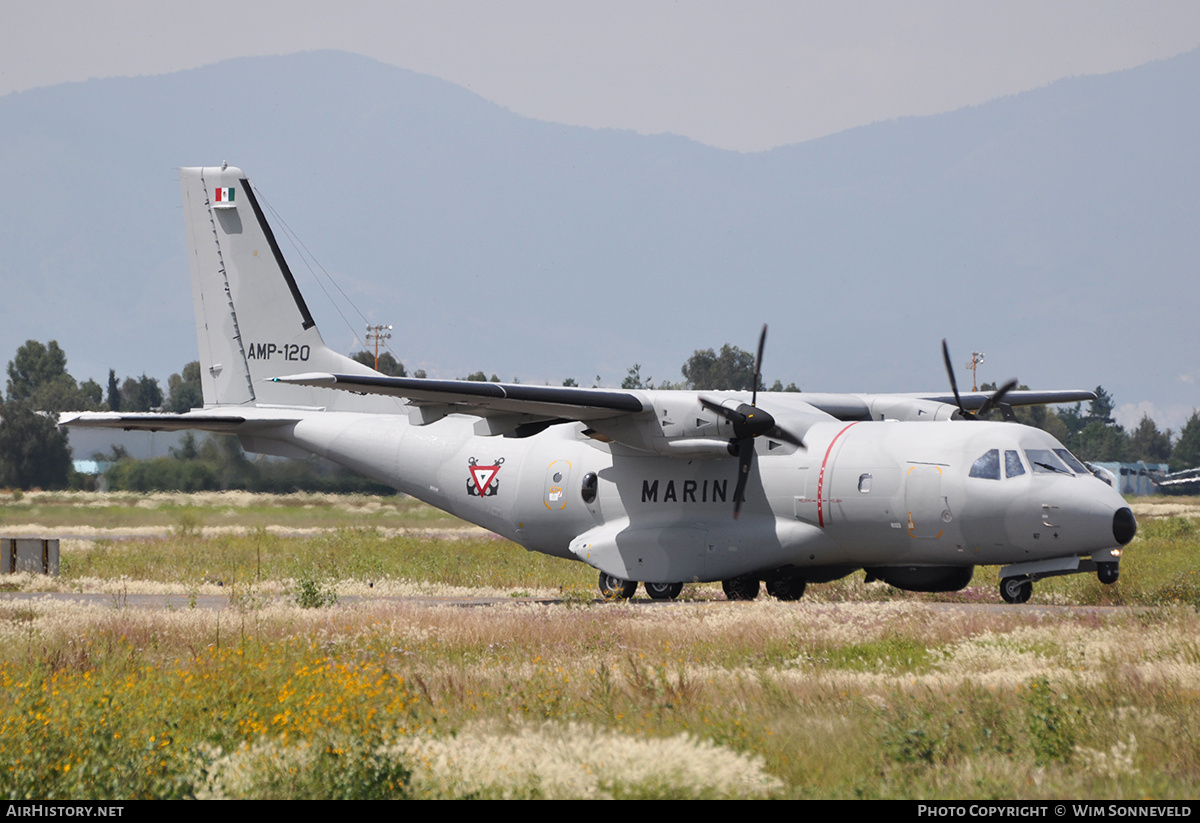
[780, 586]
[740, 588]
[1016, 589]
[663, 591]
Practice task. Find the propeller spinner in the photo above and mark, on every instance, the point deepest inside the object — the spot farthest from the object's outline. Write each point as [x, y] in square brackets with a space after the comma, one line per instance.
[749, 422]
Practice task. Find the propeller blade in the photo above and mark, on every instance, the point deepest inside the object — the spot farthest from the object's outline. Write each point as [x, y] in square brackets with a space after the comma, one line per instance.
[997, 398]
[750, 422]
[762, 341]
[953, 382]
[745, 449]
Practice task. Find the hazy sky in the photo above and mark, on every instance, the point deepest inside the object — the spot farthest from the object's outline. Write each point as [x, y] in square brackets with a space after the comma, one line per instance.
[745, 75]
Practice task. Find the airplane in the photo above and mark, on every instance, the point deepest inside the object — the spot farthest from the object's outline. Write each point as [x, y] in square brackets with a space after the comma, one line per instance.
[652, 487]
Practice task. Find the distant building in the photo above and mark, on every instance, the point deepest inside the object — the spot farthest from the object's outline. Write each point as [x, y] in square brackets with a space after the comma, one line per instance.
[1138, 478]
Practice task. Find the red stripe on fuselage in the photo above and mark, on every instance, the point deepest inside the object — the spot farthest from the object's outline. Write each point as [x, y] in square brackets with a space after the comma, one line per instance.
[821, 476]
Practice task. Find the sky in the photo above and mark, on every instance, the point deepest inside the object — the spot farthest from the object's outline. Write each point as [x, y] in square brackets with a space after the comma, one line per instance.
[745, 76]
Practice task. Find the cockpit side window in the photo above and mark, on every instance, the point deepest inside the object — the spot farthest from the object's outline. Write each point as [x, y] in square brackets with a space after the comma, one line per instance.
[987, 466]
[1072, 461]
[1013, 467]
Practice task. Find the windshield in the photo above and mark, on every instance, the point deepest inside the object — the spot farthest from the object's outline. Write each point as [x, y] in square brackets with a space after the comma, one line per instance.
[1045, 461]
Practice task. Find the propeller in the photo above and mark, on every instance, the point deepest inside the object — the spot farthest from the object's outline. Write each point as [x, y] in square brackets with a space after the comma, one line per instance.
[993, 400]
[749, 422]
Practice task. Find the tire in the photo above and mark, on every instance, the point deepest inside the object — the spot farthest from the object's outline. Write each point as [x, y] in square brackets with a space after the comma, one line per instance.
[1016, 589]
[741, 588]
[614, 588]
[663, 591]
[786, 587]
[1108, 573]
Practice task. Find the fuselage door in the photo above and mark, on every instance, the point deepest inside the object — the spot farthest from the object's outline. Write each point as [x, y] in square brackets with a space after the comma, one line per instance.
[926, 509]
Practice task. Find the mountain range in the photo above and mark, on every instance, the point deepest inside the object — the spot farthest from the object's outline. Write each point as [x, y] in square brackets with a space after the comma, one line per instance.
[1054, 230]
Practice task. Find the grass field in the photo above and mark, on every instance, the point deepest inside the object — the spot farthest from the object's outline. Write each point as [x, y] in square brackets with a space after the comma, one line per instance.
[316, 680]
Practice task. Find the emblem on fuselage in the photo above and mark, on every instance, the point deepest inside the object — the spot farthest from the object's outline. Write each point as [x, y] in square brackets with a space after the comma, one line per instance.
[482, 482]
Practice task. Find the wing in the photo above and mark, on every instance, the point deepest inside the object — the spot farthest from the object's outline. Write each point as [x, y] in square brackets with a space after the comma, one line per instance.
[973, 401]
[510, 406]
[505, 407]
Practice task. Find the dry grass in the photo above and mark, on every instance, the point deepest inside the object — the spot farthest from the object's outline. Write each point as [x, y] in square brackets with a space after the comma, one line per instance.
[856, 691]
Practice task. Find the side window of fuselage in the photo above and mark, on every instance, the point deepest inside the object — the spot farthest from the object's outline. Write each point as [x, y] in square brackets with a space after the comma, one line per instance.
[987, 466]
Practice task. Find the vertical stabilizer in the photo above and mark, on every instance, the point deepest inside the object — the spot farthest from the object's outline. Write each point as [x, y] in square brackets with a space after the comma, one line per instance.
[251, 321]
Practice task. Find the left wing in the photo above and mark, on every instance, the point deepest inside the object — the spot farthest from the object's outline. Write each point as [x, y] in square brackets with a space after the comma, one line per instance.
[504, 407]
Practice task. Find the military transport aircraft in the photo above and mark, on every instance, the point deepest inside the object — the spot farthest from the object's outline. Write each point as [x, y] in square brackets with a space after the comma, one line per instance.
[651, 487]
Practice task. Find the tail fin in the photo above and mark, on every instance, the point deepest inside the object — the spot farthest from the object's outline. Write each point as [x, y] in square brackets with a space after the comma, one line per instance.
[251, 320]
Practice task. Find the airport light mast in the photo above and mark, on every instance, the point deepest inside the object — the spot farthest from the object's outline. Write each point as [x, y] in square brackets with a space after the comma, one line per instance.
[976, 360]
[377, 333]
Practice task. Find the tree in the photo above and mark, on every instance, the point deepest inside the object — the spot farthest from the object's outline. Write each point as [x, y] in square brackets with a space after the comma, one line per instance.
[1186, 454]
[34, 366]
[1101, 408]
[732, 369]
[33, 449]
[1148, 443]
[184, 392]
[388, 364]
[141, 395]
[114, 392]
[37, 375]
[1099, 443]
[633, 380]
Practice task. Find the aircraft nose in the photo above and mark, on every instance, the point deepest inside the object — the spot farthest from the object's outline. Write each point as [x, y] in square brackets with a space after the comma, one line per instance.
[1124, 525]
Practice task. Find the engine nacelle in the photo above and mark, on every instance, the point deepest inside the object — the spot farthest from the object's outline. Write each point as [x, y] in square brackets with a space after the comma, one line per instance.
[905, 408]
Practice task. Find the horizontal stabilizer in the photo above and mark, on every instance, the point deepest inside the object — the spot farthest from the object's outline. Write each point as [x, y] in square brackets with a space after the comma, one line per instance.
[151, 421]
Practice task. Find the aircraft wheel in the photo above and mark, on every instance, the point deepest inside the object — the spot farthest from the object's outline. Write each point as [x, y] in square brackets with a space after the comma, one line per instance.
[614, 588]
[741, 588]
[1016, 589]
[663, 591]
[786, 587]
[1108, 573]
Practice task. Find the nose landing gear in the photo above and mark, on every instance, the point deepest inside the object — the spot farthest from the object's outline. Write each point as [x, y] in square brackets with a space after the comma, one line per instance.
[614, 588]
[1107, 573]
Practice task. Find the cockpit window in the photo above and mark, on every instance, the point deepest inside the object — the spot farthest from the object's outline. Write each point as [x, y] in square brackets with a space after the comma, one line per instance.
[987, 466]
[1012, 464]
[1072, 461]
[1045, 461]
